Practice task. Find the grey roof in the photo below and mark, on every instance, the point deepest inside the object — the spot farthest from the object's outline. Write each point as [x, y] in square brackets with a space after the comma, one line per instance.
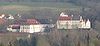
[49, 15]
[76, 17]
[44, 21]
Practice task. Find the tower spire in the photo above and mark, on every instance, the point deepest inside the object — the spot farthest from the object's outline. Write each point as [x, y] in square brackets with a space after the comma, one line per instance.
[81, 18]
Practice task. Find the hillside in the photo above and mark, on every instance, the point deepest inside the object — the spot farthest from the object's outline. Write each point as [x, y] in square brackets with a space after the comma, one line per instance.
[20, 7]
[51, 9]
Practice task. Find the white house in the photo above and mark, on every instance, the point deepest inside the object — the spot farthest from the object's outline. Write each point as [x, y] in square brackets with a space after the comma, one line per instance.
[10, 17]
[2, 16]
[13, 28]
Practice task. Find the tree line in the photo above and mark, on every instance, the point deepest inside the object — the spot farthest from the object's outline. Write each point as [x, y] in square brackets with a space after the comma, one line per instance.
[77, 1]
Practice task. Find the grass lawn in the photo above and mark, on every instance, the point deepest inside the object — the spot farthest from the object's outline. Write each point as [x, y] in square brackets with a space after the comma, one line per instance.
[20, 7]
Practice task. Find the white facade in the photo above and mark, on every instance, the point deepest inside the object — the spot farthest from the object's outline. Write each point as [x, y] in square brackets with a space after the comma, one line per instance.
[88, 24]
[73, 24]
[24, 28]
[33, 28]
[68, 24]
[29, 28]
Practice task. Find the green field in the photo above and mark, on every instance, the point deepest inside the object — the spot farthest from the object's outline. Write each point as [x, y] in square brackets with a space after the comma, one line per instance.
[21, 7]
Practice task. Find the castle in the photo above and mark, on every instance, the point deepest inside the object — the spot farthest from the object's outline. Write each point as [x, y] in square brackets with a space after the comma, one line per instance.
[64, 21]
[67, 22]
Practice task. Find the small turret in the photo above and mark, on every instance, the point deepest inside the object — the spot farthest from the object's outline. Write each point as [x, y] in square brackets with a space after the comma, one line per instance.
[81, 18]
[88, 24]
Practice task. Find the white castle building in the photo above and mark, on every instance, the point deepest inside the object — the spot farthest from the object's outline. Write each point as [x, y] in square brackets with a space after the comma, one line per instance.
[67, 22]
[30, 26]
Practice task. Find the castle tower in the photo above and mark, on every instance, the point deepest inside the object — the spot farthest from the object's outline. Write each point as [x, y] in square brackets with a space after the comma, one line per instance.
[81, 18]
[82, 23]
[88, 24]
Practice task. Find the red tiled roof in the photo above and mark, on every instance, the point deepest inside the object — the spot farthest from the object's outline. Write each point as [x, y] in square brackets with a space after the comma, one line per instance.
[32, 21]
[2, 21]
[27, 21]
[15, 26]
